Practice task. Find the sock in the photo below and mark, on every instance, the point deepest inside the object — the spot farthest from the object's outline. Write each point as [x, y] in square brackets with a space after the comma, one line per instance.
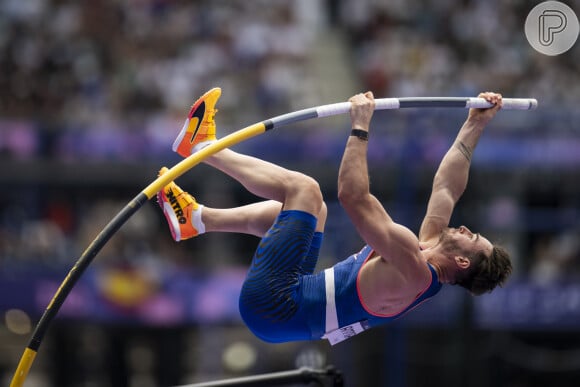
[196, 219]
[201, 145]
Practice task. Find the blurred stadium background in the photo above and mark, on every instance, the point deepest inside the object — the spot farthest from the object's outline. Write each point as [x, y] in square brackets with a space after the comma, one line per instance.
[92, 94]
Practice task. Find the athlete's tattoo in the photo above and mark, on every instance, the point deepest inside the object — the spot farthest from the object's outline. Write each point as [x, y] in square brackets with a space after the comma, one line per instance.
[464, 149]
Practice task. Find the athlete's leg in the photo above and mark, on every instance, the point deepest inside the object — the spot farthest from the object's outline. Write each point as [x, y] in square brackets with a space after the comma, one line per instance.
[187, 218]
[295, 190]
[254, 219]
[270, 296]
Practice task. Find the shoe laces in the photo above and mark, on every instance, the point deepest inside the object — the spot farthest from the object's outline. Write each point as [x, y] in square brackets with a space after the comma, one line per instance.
[211, 115]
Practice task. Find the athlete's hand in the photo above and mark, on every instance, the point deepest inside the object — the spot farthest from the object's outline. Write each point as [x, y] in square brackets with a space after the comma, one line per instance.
[483, 116]
[361, 110]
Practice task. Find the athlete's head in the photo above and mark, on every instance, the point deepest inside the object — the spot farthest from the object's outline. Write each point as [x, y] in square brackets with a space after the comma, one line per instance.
[481, 265]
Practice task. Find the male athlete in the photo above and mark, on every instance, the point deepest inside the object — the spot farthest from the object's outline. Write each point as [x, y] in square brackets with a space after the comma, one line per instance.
[282, 299]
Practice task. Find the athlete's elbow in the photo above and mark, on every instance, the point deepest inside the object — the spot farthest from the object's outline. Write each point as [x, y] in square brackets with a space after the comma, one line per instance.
[449, 188]
[349, 198]
[346, 194]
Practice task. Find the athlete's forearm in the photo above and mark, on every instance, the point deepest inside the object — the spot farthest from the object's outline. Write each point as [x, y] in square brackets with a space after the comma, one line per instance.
[353, 177]
[453, 172]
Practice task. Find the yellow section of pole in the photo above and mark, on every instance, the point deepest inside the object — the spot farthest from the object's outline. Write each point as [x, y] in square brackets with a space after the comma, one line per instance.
[196, 158]
[149, 192]
[23, 368]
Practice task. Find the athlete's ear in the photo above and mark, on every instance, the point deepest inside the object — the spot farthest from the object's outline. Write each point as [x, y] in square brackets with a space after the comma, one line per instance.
[462, 262]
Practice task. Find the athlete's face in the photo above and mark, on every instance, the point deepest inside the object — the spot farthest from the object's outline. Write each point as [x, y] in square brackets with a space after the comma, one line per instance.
[463, 239]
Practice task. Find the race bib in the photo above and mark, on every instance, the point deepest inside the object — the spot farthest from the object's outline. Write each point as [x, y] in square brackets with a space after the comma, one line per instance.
[346, 332]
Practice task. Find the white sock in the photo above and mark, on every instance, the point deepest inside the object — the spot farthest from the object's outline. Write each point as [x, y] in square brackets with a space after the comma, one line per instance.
[201, 145]
[196, 220]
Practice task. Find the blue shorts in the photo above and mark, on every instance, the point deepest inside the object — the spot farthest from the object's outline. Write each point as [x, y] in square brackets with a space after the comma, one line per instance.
[271, 294]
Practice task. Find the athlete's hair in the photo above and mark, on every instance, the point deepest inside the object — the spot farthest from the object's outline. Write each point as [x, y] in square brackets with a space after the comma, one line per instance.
[486, 272]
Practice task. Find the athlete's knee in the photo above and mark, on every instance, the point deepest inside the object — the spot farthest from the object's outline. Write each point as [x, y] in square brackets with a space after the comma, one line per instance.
[312, 189]
[306, 190]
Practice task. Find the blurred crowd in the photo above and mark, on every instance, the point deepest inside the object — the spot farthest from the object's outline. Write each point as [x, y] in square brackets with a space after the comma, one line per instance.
[80, 61]
[454, 48]
[112, 79]
[64, 61]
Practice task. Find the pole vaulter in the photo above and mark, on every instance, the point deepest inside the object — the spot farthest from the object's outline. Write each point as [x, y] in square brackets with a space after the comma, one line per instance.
[179, 169]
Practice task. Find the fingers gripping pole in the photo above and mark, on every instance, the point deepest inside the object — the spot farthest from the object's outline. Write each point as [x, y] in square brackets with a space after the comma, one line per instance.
[179, 169]
[508, 103]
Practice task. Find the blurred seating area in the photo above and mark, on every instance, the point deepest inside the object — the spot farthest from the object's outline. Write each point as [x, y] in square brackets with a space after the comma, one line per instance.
[452, 47]
[113, 79]
[134, 66]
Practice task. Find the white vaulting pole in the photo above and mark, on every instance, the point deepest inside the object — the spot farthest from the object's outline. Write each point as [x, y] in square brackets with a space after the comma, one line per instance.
[402, 103]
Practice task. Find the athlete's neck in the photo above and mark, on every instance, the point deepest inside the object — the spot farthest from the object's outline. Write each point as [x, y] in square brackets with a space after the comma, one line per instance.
[444, 272]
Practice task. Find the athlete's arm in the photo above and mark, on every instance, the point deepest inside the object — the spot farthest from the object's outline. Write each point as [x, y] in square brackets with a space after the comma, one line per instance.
[451, 177]
[373, 223]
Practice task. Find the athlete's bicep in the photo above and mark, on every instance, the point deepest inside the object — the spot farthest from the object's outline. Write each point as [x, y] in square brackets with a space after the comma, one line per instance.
[378, 229]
